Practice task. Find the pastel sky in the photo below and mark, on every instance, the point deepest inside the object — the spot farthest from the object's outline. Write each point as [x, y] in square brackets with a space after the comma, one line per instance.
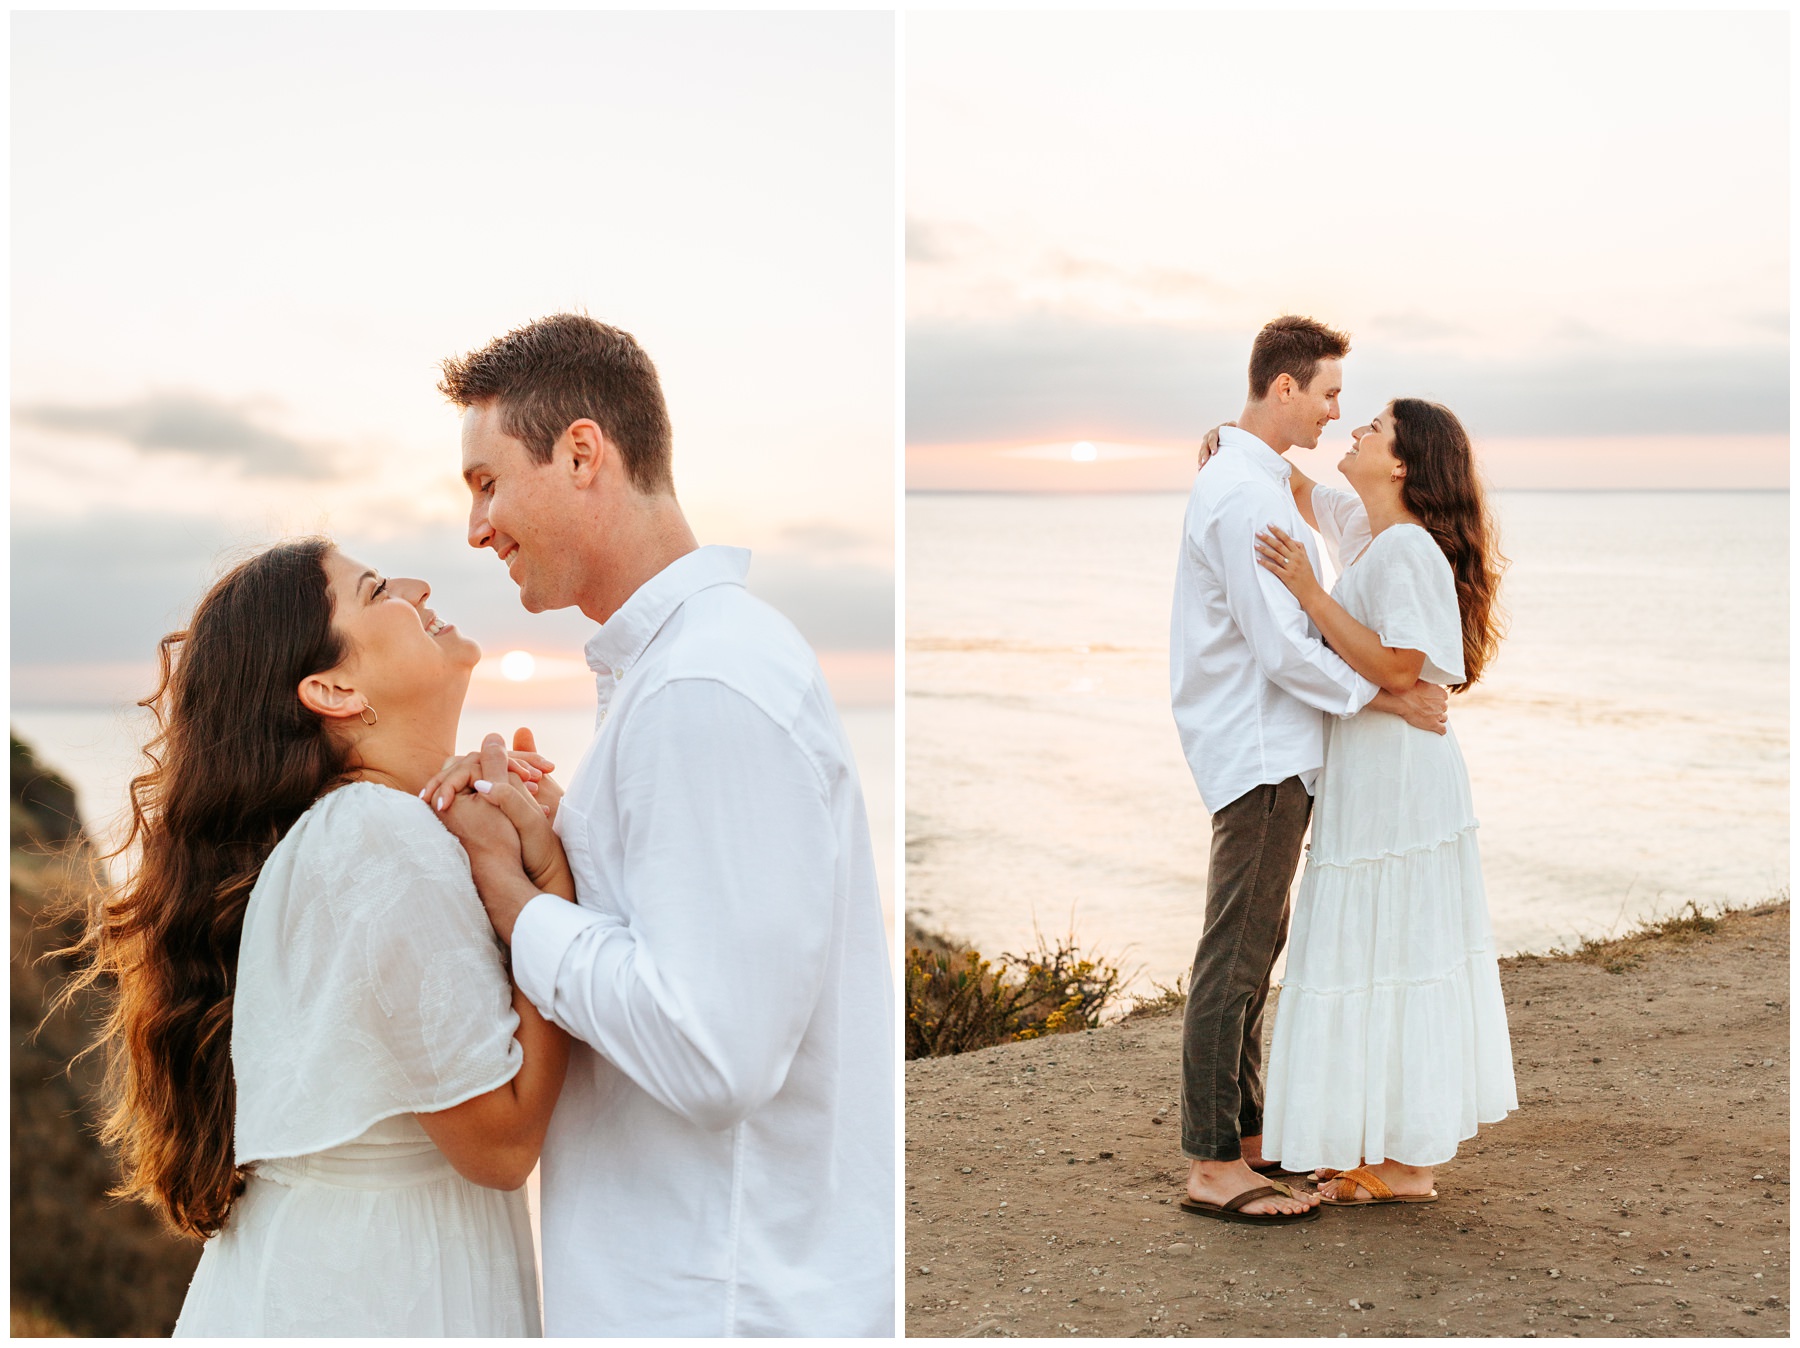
[241, 244]
[1568, 227]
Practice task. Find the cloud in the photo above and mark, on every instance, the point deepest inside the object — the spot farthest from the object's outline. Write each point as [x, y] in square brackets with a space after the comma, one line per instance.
[1413, 326]
[824, 536]
[1152, 283]
[932, 241]
[186, 423]
[1772, 321]
[1059, 376]
[958, 272]
[106, 588]
[836, 606]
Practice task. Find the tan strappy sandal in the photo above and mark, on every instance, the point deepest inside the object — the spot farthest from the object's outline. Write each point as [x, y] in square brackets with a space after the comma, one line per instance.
[1378, 1192]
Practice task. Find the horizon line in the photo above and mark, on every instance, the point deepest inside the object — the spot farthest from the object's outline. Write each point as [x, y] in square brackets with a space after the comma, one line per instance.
[1498, 491]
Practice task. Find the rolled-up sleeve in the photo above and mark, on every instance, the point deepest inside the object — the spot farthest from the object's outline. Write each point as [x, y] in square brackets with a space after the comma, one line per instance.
[1271, 619]
[729, 867]
[1343, 523]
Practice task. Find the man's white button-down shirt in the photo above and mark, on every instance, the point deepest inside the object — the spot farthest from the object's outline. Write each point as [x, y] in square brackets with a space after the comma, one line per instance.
[1248, 674]
[721, 1159]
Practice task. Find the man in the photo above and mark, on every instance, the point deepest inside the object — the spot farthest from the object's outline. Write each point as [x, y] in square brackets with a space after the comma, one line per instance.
[1251, 685]
[721, 1159]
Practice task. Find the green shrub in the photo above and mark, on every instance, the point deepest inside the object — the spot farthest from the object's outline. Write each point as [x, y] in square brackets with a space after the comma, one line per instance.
[956, 1000]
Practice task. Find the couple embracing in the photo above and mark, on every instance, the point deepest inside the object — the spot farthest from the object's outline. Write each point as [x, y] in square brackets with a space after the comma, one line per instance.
[364, 984]
[1390, 1041]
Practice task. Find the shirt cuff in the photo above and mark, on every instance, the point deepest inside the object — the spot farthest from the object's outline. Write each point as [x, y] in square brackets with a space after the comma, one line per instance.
[1360, 696]
[542, 934]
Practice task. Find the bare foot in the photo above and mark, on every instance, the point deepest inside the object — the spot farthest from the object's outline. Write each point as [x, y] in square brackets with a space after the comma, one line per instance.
[1250, 1153]
[1402, 1179]
[1222, 1181]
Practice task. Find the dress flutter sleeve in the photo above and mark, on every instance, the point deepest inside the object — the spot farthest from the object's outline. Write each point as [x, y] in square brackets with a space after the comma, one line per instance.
[370, 983]
[1343, 524]
[1413, 597]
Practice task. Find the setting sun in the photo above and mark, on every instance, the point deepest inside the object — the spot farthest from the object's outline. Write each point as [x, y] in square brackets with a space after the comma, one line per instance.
[518, 666]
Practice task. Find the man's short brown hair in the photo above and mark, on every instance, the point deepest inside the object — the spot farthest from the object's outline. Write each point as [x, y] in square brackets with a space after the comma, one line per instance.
[1293, 346]
[548, 375]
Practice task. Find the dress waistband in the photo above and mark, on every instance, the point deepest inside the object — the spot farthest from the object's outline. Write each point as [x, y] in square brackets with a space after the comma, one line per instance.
[362, 1166]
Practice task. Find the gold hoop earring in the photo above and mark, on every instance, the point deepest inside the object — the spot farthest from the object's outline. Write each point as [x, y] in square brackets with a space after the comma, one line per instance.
[367, 715]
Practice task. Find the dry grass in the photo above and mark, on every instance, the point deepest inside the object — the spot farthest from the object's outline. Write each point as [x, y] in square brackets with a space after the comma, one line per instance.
[1618, 954]
[1166, 1000]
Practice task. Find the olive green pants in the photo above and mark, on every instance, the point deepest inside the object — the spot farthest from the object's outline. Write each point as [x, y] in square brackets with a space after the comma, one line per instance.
[1255, 851]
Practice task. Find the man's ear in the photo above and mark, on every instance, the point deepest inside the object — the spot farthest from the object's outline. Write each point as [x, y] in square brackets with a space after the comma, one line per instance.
[1282, 387]
[323, 695]
[588, 448]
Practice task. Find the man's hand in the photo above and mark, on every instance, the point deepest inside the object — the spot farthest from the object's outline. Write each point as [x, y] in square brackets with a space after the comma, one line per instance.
[525, 763]
[546, 790]
[1424, 705]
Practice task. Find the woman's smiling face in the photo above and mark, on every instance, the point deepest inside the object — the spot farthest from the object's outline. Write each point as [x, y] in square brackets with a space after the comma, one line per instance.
[1371, 457]
[399, 647]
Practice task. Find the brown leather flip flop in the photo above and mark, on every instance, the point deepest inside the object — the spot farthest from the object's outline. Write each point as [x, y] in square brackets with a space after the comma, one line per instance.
[1228, 1211]
[1378, 1192]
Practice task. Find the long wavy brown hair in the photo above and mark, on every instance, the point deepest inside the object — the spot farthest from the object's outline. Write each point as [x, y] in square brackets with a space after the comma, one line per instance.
[235, 761]
[1443, 489]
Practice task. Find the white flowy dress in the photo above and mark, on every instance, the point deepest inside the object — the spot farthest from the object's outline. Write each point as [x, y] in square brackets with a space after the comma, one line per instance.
[1390, 1039]
[370, 989]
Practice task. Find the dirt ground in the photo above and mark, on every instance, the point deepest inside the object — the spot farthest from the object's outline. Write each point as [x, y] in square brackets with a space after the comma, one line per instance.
[1640, 1189]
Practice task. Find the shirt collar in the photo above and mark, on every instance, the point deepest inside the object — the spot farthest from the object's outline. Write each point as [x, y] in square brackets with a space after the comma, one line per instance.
[623, 637]
[1255, 451]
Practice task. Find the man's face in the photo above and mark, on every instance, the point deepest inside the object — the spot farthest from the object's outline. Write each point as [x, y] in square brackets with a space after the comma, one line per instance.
[1315, 407]
[527, 512]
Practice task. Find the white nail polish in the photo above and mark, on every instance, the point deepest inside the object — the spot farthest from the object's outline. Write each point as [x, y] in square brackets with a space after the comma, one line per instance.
[484, 787]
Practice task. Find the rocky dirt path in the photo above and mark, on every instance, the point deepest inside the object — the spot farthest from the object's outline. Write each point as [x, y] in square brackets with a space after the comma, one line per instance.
[1640, 1189]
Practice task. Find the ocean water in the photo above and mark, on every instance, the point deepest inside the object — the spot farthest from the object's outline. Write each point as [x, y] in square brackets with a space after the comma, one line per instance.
[98, 751]
[1628, 751]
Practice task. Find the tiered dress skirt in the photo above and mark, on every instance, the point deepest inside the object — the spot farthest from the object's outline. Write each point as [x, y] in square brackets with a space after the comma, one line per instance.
[1390, 1039]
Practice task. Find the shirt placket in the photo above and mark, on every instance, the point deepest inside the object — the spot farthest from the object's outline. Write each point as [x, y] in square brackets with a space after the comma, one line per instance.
[606, 684]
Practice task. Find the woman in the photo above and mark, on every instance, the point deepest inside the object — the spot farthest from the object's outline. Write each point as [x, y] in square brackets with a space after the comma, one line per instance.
[321, 1067]
[1390, 1041]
